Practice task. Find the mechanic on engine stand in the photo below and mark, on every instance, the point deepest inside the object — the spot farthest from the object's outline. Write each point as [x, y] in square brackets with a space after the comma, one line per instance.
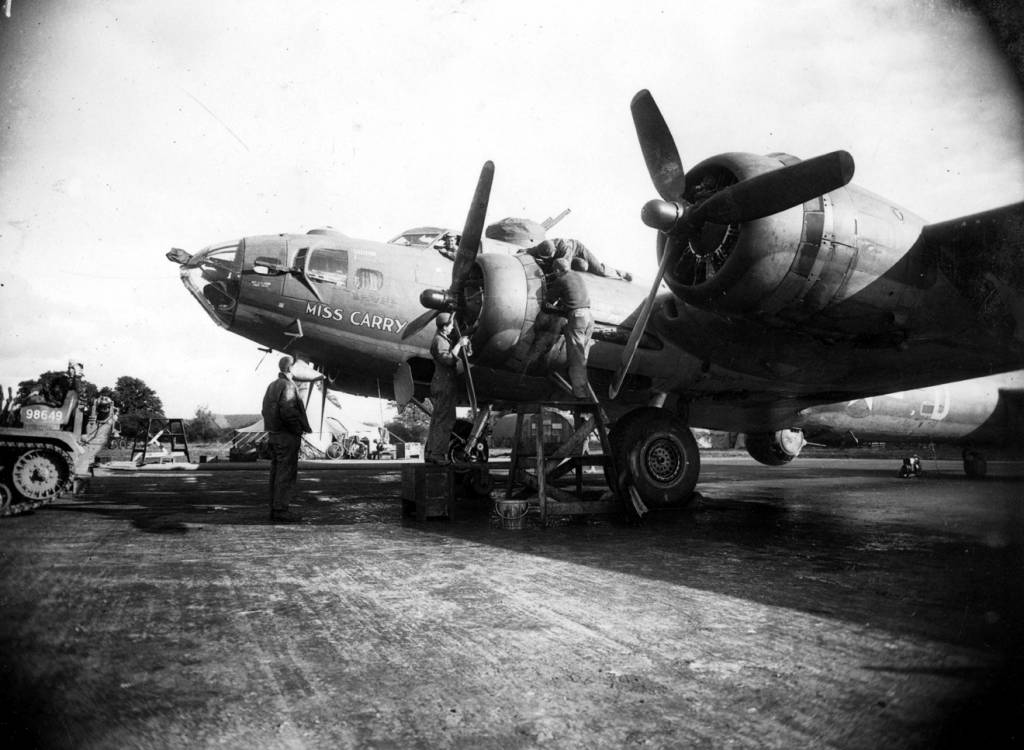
[575, 252]
[566, 295]
[443, 389]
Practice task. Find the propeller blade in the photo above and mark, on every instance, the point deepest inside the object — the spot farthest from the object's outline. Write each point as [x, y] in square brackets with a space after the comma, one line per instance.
[659, 149]
[470, 388]
[670, 255]
[323, 405]
[417, 325]
[775, 191]
[469, 245]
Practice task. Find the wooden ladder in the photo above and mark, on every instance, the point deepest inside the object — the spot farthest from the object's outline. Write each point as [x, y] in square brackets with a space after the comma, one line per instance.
[170, 430]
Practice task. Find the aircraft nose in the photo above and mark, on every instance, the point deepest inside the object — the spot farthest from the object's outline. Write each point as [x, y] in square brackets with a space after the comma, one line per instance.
[213, 276]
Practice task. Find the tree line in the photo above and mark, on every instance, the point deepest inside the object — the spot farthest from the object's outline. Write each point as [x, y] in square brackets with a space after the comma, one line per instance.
[135, 400]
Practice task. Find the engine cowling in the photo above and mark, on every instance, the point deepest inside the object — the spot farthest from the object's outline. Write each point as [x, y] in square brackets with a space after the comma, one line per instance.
[775, 448]
[502, 296]
[794, 266]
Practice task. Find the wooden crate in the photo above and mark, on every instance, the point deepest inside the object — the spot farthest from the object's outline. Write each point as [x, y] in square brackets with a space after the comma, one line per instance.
[427, 491]
[409, 450]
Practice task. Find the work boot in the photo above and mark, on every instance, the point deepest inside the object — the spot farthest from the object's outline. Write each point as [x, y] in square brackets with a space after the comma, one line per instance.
[284, 516]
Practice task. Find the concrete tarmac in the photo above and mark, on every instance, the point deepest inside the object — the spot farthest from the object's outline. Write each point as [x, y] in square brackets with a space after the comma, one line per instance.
[822, 604]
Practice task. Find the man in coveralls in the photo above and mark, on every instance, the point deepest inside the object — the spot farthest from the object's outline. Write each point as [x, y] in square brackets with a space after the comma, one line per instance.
[577, 254]
[284, 417]
[443, 388]
[566, 295]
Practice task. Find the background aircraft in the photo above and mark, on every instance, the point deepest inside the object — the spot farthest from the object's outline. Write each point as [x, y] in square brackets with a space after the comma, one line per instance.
[976, 415]
[789, 288]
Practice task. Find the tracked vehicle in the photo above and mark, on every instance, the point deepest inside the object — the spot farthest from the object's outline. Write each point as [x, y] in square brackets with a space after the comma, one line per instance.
[48, 448]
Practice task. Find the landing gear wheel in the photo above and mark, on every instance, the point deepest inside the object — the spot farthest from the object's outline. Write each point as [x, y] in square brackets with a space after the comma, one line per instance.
[6, 497]
[335, 451]
[975, 465]
[41, 474]
[657, 454]
[461, 455]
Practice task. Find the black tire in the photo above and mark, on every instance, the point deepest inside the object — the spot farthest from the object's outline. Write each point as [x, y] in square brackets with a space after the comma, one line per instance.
[657, 453]
[616, 466]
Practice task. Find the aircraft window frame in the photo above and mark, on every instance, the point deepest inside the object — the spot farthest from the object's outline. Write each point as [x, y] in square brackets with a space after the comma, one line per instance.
[414, 240]
[216, 252]
[422, 239]
[336, 273]
[368, 280]
[225, 257]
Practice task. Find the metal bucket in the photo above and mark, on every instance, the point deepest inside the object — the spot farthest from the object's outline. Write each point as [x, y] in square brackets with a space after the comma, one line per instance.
[512, 512]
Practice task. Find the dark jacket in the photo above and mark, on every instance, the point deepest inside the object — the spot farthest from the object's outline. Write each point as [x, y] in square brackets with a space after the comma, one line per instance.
[565, 293]
[445, 363]
[283, 410]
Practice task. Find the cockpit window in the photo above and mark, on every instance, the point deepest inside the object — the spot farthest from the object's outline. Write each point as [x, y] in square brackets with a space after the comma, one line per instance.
[329, 266]
[445, 241]
[423, 237]
[224, 254]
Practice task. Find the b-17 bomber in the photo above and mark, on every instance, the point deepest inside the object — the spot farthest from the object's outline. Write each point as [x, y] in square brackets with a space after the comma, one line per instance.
[789, 288]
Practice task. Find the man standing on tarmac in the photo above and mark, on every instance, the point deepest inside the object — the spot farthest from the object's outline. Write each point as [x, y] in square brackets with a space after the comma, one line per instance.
[566, 295]
[443, 388]
[284, 417]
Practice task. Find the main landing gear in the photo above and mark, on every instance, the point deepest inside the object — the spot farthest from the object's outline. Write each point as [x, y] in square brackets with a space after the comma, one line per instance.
[470, 461]
[655, 453]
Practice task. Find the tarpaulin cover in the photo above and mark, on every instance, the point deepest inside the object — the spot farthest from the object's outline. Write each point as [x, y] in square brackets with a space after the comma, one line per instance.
[522, 232]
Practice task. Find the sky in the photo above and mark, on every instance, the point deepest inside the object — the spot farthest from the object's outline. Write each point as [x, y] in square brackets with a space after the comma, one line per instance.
[130, 127]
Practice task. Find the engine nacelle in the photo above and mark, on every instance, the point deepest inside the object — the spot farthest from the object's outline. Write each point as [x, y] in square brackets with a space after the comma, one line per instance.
[500, 304]
[775, 448]
[792, 267]
[502, 297]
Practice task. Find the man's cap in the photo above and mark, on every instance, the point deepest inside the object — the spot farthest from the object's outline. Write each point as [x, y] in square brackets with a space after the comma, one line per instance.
[578, 264]
[285, 363]
[545, 249]
[443, 319]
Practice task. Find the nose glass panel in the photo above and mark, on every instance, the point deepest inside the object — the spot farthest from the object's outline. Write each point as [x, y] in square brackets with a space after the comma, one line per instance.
[214, 278]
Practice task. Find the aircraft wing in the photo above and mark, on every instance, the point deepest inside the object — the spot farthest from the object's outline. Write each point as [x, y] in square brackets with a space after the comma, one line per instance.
[821, 305]
[982, 256]
[790, 282]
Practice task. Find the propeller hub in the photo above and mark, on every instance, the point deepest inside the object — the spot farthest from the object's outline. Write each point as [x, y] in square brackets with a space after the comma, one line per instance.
[664, 216]
[438, 299]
